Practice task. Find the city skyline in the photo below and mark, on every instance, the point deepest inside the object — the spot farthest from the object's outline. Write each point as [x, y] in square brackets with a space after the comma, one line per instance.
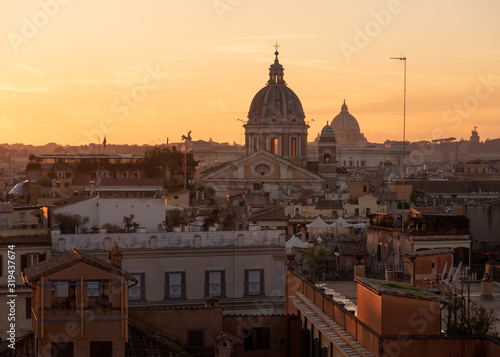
[142, 73]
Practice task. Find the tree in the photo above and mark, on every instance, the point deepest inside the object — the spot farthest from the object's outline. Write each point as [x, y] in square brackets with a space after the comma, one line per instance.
[129, 224]
[71, 222]
[212, 218]
[174, 218]
[318, 259]
[469, 319]
[112, 228]
[158, 159]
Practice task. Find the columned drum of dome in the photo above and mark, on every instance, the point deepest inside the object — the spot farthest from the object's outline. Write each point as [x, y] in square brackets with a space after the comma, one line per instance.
[276, 119]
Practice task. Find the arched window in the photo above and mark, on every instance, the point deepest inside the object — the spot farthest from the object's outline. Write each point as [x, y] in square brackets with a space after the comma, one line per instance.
[326, 157]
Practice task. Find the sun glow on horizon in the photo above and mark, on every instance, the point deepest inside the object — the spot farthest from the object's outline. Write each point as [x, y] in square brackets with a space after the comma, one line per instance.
[138, 71]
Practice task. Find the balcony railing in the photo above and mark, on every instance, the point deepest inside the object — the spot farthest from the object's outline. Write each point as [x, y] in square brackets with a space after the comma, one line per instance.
[215, 289]
[254, 289]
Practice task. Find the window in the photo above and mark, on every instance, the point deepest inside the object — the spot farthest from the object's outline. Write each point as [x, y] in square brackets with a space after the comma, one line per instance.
[254, 282]
[294, 148]
[175, 285]
[101, 348]
[63, 295]
[125, 175]
[274, 146]
[27, 308]
[196, 338]
[365, 188]
[22, 218]
[104, 174]
[31, 259]
[138, 291]
[258, 338]
[62, 349]
[215, 283]
[262, 169]
[136, 174]
[98, 294]
[326, 158]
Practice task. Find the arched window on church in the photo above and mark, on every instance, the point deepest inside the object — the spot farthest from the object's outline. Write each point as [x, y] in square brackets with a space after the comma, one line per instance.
[326, 157]
[255, 144]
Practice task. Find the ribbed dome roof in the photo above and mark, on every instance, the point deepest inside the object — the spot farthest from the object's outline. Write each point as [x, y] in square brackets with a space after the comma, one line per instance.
[276, 103]
[345, 121]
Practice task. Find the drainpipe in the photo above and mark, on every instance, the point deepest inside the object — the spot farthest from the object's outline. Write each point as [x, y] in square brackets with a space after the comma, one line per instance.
[413, 277]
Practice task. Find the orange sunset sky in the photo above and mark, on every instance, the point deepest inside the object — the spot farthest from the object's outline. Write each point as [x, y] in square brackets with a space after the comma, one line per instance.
[140, 72]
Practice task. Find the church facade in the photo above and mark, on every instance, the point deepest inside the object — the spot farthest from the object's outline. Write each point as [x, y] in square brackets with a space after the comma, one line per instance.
[275, 161]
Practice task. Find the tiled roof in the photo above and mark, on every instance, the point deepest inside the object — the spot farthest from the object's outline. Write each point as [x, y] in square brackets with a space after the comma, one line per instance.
[427, 252]
[146, 342]
[351, 247]
[274, 214]
[427, 211]
[25, 347]
[329, 204]
[71, 200]
[68, 259]
[142, 342]
[119, 182]
[6, 207]
[26, 239]
[455, 186]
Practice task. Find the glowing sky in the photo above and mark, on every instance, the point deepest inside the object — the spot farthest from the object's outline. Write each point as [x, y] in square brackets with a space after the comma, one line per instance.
[142, 71]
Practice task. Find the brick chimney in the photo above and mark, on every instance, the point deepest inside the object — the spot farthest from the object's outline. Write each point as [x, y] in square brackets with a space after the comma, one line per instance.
[116, 256]
[211, 302]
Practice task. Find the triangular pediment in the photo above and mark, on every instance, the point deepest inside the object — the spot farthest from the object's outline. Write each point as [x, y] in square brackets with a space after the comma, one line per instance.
[261, 166]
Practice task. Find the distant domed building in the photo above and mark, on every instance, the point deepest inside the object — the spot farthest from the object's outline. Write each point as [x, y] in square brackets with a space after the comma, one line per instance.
[276, 120]
[346, 129]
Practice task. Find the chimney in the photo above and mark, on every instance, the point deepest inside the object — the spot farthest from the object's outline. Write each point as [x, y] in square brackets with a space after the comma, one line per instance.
[222, 344]
[211, 302]
[116, 256]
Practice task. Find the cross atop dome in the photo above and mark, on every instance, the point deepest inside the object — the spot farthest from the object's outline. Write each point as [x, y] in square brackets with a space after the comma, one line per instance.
[276, 70]
[344, 108]
[276, 53]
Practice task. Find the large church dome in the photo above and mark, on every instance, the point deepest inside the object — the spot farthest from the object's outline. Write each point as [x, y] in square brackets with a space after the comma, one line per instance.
[276, 119]
[346, 129]
[276, 102]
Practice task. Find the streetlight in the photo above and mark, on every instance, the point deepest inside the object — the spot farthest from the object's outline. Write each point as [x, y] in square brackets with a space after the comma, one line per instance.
[404, 146]
[186, 140]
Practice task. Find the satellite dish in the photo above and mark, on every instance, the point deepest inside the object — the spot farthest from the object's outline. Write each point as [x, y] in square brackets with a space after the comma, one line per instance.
[457, 274]
[444, 270]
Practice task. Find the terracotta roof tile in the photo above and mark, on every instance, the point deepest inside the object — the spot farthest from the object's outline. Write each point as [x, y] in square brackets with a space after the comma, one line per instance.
[6, 207]
[274, 214]
[26, 239]
[68, 259]
[147, 342]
